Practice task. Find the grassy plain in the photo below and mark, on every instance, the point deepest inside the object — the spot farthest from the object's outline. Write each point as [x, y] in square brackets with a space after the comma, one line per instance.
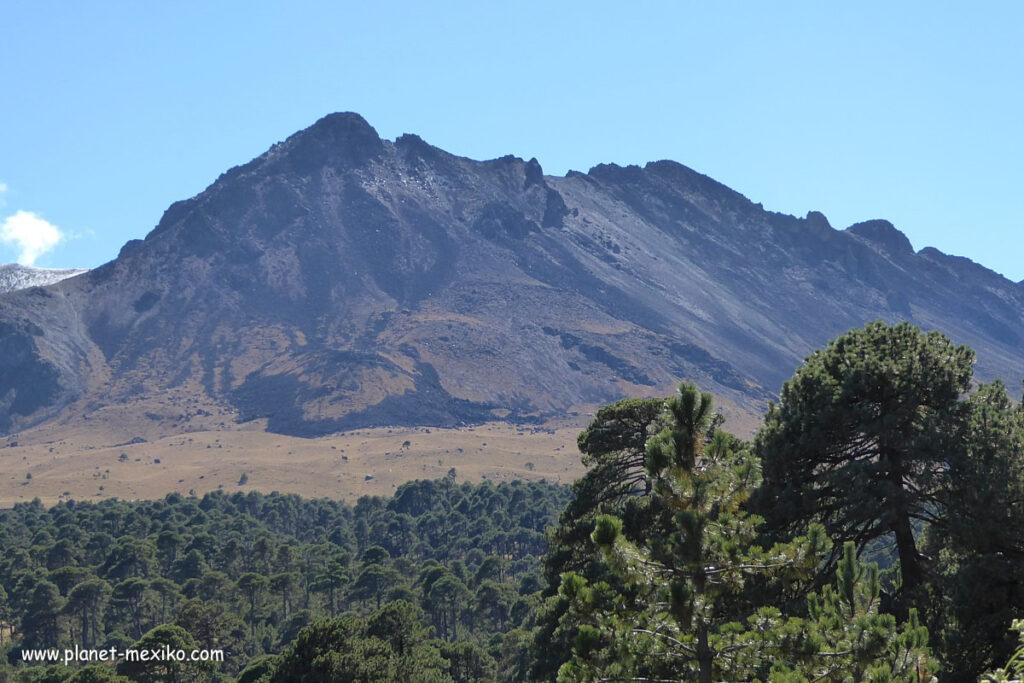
[86, 464]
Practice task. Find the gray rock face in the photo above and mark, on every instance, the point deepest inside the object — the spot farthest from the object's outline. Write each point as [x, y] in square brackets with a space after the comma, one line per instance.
[340, 280]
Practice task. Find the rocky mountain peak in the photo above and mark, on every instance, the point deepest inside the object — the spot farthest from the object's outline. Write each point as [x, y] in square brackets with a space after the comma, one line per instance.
[342, 140]
[341, 129]
[817, 220]
[883, 235]
[340, 281]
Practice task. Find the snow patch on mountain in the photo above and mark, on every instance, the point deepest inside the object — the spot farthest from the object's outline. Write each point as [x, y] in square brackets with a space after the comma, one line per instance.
[14, 276]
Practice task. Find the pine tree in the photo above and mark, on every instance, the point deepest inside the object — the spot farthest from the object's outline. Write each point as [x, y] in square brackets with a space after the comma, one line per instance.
[979, 582]
[679, 622]
[852, 640]
[691, 611]
[863, 438]
[613, 448]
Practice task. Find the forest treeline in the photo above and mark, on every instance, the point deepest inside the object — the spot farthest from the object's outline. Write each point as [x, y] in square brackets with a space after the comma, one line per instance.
[454, 569]
[873, 530]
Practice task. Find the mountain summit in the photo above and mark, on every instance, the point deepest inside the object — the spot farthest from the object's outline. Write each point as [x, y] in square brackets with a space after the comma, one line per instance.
[341, 280]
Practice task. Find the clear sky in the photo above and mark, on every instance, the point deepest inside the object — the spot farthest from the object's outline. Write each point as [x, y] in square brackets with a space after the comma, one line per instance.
[910, 111]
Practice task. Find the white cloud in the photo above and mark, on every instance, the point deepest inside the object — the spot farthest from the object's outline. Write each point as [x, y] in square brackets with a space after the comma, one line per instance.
[32, 235]
[3, 190]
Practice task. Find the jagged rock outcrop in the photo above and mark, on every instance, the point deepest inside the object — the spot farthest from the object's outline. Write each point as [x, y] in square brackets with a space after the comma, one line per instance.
[341, 280]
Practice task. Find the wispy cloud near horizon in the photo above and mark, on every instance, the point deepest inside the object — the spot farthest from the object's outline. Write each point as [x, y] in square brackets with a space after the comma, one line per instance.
[31, 235]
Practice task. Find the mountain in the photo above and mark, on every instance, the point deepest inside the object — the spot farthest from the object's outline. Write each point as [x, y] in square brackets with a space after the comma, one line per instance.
[341, 280]
[14, 276]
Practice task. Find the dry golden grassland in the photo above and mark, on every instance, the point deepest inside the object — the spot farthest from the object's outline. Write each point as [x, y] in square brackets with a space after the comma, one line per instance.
[176, 443]
[86, 464]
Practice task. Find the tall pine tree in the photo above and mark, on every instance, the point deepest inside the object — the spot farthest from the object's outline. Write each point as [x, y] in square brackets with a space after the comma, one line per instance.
[863, 438]
[689, 614]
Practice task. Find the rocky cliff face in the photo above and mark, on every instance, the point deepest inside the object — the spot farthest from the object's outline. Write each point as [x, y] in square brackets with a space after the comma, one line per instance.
[340, 280]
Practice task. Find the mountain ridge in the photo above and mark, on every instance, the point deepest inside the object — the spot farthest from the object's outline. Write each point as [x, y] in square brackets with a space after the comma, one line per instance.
[340, 280]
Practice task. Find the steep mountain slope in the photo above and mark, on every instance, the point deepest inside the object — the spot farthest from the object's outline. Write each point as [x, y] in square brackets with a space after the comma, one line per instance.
[340, 280]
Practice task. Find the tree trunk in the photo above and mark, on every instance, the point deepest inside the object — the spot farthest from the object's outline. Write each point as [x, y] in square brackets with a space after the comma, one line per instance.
[252, 621]
[911, 571]
[704, 655]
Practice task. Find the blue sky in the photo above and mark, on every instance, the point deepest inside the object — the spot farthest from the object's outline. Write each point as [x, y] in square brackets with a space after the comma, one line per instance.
[906, 111]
